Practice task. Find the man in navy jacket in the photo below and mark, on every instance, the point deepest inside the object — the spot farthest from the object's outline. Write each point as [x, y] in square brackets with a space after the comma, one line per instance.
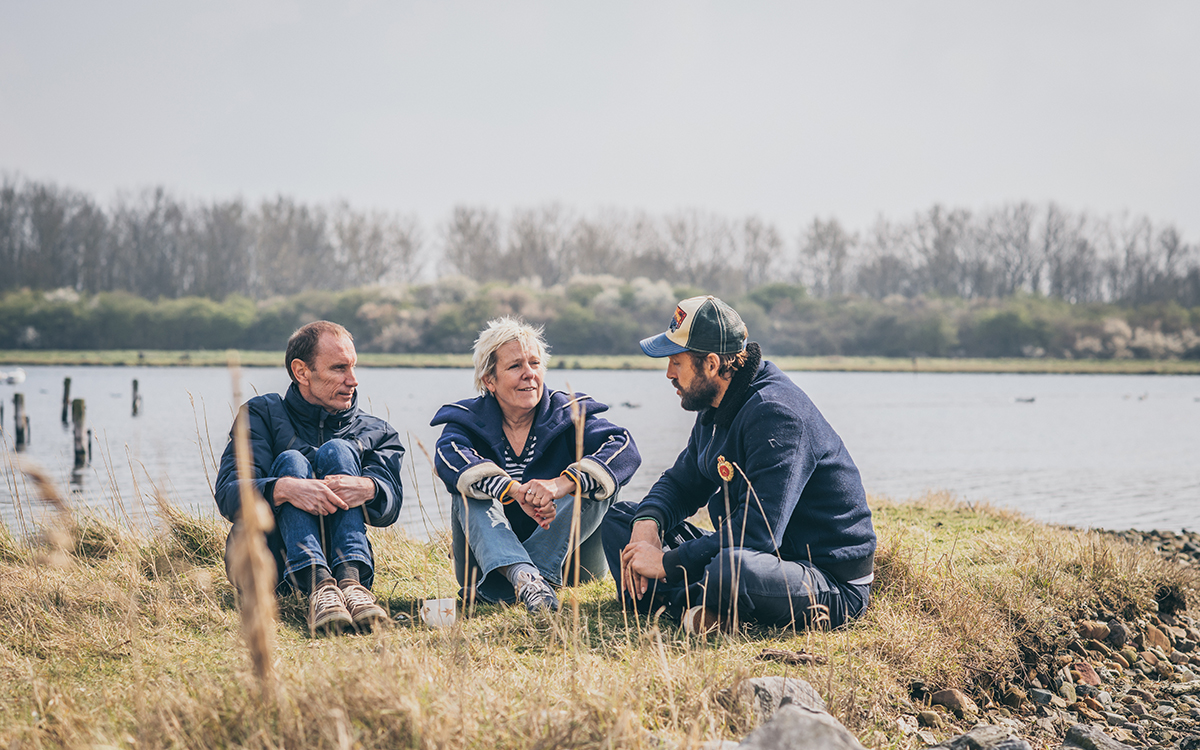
[794, 541]
[328, 470]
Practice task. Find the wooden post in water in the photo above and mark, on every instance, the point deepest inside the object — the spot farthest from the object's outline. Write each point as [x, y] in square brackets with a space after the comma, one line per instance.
[89, 446]
[137, 399]
[66, 410]
[78, 414]
[20, 420]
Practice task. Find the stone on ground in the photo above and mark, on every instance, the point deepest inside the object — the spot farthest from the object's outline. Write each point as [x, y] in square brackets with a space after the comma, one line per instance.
[764, 695]
[986, 737]
[1084, 737]
[795, 726]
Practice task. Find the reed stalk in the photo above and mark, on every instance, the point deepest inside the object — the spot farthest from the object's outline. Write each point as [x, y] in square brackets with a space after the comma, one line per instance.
[250, 562]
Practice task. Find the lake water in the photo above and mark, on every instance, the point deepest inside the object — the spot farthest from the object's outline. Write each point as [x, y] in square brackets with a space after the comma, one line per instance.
[1109, 451]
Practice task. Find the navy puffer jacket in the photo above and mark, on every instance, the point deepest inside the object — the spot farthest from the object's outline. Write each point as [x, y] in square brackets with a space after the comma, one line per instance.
[278, 424]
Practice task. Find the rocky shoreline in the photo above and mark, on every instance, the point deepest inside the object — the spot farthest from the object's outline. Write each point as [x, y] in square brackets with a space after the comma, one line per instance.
[1110, 682]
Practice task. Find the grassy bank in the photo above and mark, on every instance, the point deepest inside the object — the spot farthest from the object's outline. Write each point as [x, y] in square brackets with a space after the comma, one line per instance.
[254, 358]
[132, 639]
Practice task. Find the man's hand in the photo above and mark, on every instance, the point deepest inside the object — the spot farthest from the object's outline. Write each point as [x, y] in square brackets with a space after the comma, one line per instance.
[354, 491]
[641, 560]
[309, 495]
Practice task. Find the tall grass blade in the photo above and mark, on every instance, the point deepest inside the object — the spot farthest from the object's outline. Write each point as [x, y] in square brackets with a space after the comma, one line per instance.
[250, 562]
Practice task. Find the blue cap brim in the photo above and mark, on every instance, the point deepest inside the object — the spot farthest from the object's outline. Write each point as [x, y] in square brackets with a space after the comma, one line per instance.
[660, 346]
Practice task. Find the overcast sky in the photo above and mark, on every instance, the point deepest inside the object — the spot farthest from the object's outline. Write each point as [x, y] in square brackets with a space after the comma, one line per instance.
[785, 110]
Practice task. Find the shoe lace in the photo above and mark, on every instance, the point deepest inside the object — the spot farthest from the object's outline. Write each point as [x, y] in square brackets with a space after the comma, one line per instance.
[327, 597]
[358, 596]
[535, 592]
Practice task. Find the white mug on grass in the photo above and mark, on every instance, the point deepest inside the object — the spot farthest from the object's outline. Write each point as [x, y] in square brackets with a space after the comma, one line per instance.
[438, 613]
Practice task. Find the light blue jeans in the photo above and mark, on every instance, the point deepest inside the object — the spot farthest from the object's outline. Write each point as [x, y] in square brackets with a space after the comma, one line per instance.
[493, 544]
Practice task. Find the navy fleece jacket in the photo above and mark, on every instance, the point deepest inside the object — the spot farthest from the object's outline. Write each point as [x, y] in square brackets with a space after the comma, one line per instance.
[804, 499]
[471, 447]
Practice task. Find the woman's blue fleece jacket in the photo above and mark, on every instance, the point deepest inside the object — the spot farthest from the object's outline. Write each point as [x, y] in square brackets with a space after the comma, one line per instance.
[471, 447]
[804, 499]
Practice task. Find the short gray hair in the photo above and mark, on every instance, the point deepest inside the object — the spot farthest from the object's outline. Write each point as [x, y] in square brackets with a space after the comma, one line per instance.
[499, 332]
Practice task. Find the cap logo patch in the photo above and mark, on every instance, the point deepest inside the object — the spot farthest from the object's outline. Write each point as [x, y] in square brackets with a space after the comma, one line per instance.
[677, 321]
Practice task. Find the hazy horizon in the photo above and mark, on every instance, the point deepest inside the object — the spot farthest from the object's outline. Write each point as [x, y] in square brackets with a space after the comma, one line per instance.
[782, 111]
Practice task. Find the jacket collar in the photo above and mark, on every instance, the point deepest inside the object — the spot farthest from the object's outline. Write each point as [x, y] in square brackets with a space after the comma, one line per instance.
[737, 392]
[482, 415]
[311, 413]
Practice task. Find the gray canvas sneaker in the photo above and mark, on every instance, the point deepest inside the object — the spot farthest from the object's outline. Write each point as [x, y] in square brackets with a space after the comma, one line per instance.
[536, 595]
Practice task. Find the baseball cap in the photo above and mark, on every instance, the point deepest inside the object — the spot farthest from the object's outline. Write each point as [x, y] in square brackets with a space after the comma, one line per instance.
[700, 324]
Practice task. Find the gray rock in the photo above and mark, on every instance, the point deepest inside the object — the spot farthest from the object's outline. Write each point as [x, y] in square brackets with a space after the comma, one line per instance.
[795, 726]
[764, 695]
[719, 745]
[1037, 695]
[985, 737]
[1118, 634]
[1115, 720]
[1084, 737]
[1183, 688]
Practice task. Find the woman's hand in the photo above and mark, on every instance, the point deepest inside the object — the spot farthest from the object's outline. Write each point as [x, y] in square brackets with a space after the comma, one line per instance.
[536, 497]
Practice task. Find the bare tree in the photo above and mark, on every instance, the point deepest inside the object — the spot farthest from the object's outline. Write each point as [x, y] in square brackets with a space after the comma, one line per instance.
[887, 268]
[376, 247]
[600, 247]
[762, 252]
[825, 257]
[701, 249]
[471, 242]
[937, 238]
[292, 251]
[539, 245]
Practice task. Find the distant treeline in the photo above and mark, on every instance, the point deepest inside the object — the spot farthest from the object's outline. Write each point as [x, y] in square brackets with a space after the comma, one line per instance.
[606, 315]
[157, 245]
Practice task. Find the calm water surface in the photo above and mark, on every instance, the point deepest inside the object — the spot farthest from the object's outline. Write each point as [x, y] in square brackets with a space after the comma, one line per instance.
[1110, 451]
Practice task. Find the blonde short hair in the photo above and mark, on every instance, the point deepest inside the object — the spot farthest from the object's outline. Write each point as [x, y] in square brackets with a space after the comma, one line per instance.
[499, 332]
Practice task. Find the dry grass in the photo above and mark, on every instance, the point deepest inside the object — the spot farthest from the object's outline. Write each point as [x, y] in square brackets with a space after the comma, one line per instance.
[141, 646]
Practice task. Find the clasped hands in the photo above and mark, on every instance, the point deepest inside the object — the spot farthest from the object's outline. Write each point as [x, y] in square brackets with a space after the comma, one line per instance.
[323, 497]
[536, 497]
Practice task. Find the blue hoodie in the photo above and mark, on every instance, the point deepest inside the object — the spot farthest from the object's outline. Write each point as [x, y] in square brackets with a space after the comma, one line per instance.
[471, 447]
[804, 500]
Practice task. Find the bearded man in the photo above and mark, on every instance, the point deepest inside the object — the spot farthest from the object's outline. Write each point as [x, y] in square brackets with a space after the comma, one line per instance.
[793, 540]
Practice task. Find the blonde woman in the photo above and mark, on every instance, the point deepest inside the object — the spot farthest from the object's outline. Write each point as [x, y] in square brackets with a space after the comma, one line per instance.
[508, 458]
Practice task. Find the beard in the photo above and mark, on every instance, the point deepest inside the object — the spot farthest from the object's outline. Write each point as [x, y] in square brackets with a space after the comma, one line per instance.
[699, 395]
